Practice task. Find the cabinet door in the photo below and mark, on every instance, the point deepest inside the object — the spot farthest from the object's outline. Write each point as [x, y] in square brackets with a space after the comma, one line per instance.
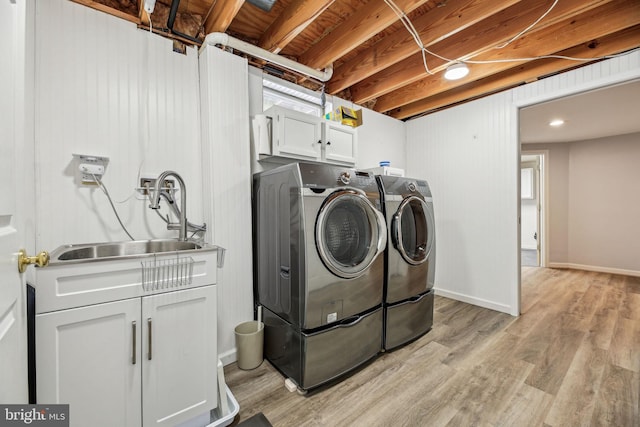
[340, 143]
[89, 357]
[180, 356]
[296, 134]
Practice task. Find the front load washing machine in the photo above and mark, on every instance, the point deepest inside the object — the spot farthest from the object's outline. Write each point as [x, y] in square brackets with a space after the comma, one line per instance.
[318, 234]
[410, 259]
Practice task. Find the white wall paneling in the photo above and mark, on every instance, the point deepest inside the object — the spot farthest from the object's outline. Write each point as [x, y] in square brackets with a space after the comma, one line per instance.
[227, 177]
[471, 163]
[380, 138]
[103, 87]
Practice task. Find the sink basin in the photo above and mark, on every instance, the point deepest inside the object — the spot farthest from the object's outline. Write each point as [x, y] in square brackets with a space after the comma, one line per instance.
[94, 273]
[132, 248]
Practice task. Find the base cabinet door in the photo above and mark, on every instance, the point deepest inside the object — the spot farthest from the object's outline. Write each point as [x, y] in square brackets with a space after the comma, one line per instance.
[180, 356]
[89, 358]
[149, 361]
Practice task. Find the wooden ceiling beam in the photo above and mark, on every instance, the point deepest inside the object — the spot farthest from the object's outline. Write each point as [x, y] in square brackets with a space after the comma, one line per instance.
[434, 26]
[582, 28]
[609, 45]
[142, 14]
[366, 22]
[474, 40]
[221, 15]
[291, 22]
[111, 11]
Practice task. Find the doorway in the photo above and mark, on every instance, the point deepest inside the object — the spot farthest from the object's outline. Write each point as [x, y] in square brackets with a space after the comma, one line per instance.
[532, 234]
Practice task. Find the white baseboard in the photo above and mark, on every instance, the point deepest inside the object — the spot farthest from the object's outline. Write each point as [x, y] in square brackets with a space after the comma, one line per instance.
[228, 357]
[473, 300]
[594, 268]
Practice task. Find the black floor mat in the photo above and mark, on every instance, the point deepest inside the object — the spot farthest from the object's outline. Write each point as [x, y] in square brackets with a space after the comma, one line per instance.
[258, 420]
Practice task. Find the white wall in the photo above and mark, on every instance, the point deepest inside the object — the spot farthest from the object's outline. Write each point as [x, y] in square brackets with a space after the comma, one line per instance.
[593, 209]
[227, 176]
[381, 138]
[471, 163]
[103, 87]
[604, 203]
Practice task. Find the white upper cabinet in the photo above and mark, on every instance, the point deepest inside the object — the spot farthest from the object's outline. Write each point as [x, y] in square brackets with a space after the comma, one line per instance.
[295, 134]
[302, 136]
[340, 143]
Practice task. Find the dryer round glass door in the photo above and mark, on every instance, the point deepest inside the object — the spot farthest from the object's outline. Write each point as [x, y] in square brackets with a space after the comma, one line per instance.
[413, 230]
[350, 233]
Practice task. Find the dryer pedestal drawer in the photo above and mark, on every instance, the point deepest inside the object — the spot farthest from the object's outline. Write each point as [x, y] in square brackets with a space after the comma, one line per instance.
[316, 358]
[408, 320]
[334, 351]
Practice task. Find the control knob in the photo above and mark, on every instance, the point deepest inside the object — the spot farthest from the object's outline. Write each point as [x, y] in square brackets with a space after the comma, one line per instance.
[345, 178]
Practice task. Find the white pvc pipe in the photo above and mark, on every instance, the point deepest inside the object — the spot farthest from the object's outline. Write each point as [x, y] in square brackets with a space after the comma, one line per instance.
[213, 39]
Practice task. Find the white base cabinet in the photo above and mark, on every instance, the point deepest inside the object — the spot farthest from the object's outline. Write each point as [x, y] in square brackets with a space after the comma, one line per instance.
[302, 136]
[105, 359]
[84, 357]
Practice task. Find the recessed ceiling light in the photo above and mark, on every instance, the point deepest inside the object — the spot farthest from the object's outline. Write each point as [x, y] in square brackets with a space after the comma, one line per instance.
[556, 122]
[456, 71]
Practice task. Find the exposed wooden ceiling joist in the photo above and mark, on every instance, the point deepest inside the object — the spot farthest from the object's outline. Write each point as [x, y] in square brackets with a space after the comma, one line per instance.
[482, 37]
[362, 25]
[221, 15]
[609, 18]
[608, 45]
[291, 22]
[434, 26]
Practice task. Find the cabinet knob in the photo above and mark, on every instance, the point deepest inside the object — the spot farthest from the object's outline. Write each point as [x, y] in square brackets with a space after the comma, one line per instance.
[41, 260]
[328, 142]
[319, 141]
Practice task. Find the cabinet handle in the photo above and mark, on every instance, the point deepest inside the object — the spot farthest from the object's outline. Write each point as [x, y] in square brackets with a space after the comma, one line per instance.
[133, 334]
[150, 338]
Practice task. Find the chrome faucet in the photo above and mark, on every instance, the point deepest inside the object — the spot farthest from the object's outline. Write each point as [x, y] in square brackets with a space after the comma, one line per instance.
[157, 193]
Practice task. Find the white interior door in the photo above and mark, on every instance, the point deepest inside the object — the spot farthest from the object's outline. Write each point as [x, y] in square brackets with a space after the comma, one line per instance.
[530, 208]
[13, 319]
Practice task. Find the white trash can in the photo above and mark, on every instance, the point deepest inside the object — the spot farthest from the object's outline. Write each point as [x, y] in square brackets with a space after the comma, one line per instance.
[249, 344]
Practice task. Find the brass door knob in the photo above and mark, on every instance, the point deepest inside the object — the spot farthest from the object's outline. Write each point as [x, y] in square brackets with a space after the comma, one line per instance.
[41, 260]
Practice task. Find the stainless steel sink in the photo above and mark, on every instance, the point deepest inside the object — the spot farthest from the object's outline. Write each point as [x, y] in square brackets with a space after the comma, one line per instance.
[134, 248]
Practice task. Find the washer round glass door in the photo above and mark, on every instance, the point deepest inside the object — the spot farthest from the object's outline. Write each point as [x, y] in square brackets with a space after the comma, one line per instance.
[350, 233]
[413, 230]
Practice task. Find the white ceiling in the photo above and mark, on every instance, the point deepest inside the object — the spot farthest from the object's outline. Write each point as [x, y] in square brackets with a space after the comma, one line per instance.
[614, 110]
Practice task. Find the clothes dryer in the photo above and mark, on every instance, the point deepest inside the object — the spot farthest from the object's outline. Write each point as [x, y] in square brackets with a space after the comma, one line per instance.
[318, 235]
[409, 258]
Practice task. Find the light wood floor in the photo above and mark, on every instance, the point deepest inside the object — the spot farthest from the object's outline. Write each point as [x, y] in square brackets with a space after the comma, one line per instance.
[572, 358]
